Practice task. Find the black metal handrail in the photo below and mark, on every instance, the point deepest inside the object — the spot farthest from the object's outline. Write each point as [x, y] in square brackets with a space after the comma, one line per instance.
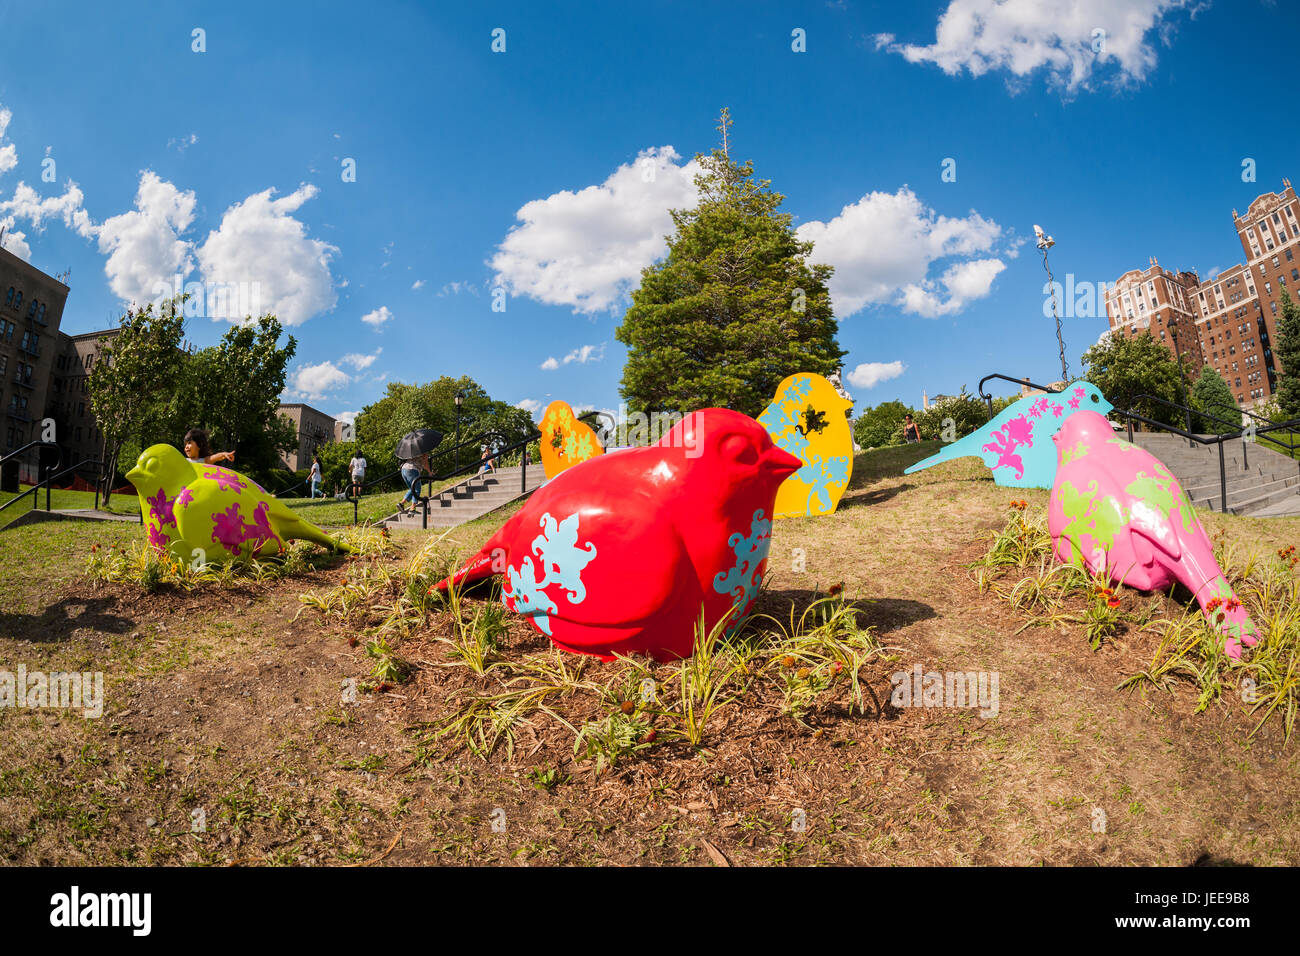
[1014, 381]
[1290, 424]
[34, 490]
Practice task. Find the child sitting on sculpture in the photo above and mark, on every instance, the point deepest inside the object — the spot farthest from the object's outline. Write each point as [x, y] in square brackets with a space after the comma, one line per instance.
[199, 451]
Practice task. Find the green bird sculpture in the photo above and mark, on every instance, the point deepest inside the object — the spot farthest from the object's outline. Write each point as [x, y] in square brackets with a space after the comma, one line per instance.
[215, 514]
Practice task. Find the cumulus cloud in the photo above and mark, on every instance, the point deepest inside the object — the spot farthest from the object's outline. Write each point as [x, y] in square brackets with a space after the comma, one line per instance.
[417, 283]
[377, 317]
[882, 248]
[871, 374]
[14, 240]
[456, 288]
[348, 418]
[315, 381]
[1071, 40]
[143, 245]
[360, 362]
[550, 365]
[531, 405]
[8, 151]
[586, 249]
[261, 244]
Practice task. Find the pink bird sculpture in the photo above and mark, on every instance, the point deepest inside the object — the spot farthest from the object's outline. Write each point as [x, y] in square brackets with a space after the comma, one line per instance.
[1116, 507]
[621, 553]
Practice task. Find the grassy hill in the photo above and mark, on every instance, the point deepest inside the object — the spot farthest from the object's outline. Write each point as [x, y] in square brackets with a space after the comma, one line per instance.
[232, 699]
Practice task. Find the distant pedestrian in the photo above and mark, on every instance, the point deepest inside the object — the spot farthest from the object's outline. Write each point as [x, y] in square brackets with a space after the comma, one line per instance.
[411, 473]
[358, 468]
[911, 434]
[489, 462]
[316, 476]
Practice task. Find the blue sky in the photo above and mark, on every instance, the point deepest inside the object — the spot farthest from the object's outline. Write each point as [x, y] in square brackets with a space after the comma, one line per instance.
[546, 170]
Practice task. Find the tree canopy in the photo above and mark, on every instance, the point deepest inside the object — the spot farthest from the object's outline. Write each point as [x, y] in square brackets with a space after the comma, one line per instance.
[1124, 368]
[735, 306]
[1287, 349]
[1212, 395]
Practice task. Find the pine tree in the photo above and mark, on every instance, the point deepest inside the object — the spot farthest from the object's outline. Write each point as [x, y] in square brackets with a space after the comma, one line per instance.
[734, 308]
[1287, 349]
[1212, 395]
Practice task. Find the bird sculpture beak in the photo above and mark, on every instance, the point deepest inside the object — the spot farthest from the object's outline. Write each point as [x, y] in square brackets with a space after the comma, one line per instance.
[780, 462]
[133, 474]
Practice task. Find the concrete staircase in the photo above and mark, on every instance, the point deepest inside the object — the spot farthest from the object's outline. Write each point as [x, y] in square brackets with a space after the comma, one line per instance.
[1269, 485]
[472, 498]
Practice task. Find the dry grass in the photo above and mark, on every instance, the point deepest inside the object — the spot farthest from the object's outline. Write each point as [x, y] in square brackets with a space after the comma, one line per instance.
[233, 701]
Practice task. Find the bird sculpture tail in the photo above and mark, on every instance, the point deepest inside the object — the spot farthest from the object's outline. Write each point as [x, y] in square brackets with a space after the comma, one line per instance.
[489, 560]
[1223, 610]
[947, 453]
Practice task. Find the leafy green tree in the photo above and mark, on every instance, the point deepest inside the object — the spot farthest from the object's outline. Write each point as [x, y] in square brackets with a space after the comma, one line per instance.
[1124, 368]
[405, 408]
[1212, 395]
[966, 412]
[735, 306]
[881, 426]
[1287, 350]
[134, 386]
[233, 390]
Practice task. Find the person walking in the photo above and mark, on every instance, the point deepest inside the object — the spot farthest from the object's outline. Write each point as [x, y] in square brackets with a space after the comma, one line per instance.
[358, 468]
[316, 476]
[911, 434]
[412, 472]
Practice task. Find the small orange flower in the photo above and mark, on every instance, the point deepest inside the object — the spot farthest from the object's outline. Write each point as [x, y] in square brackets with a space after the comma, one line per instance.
[802, 673]
[1231, 605]
[787, 661]
[837, 667]
[1213, 604]
[627, 707]
[835, 589]
[1112, 602]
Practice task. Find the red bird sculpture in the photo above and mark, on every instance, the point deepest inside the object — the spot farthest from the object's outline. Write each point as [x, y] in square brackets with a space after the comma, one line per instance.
[620, 553]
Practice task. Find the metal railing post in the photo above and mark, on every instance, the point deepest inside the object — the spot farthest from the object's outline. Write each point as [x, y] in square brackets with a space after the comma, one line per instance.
[1223, 480]
[1129, 420]
[426, 513]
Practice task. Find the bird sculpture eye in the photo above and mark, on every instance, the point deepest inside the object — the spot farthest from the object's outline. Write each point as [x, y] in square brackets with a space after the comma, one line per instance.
[1094, 398]
[739, 450]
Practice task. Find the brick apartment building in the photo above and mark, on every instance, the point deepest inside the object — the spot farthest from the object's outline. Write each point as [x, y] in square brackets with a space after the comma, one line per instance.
[1228, 322]
[45, 373]
[31, 308]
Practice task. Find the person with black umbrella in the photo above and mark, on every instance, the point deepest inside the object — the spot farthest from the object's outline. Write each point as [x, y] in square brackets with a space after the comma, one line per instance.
[413, 451]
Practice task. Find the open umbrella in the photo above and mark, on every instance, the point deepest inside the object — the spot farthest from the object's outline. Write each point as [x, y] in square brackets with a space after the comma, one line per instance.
[417, 443]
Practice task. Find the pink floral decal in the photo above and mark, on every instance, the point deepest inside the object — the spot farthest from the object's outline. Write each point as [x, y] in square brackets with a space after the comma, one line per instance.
[231, 531]
[1019, 431]
[1074, 402]
[157, 538]
[161, 508]
[1057, 409]
[226, 480]
[184, 498]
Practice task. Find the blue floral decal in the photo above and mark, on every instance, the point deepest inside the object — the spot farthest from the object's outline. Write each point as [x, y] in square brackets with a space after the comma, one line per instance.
[561, 562]
[741, 580]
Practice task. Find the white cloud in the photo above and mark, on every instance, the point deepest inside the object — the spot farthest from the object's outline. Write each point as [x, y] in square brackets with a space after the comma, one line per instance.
[963, 283]
[377, 317]
[183, 143]
[417, 283]
[346, 417]
[531, 405]
[586, 249]
[143, 245]
[14, 240]
[550, 365]
[585, 354]
[28, 204]
[260, 244]
[8, 152]
[456, 288]
[1072, 40]
[882, 248]
[314, 381]
[871, 374]
[360, 362]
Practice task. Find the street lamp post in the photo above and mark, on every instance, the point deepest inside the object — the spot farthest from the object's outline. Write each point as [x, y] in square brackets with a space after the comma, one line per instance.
[460, 400]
